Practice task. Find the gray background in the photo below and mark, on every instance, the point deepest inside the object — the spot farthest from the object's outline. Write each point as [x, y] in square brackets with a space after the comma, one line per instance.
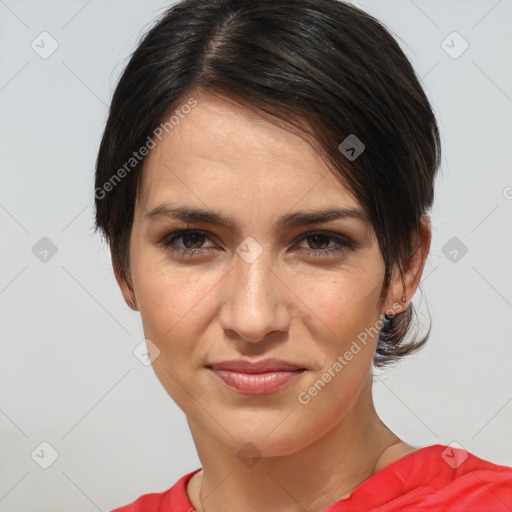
[68, 374]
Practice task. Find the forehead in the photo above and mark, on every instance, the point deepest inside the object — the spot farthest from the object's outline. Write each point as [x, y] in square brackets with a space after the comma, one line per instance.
[221, 151]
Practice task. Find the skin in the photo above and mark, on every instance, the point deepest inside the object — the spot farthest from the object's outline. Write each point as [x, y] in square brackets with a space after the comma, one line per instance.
[286, 304]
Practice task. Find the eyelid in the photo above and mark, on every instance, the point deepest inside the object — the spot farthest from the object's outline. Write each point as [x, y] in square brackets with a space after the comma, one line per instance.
[176, 235]
[343, 240]
[334, 235]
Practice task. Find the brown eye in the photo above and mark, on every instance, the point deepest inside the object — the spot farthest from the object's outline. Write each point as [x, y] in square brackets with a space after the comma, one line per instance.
[194, 239]
[318, 240]
[192, 243]
[319, 244]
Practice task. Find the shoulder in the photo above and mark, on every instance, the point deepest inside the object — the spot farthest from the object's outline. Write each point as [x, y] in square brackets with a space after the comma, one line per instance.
[175, 497]
[460, 480]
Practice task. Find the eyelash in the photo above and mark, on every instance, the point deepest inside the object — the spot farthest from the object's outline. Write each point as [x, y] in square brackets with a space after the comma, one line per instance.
[167, 241]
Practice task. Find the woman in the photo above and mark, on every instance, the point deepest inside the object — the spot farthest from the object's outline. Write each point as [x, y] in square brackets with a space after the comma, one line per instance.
[264, 181]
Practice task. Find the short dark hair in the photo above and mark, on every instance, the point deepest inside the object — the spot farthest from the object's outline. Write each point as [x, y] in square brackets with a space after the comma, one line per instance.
[322, 68]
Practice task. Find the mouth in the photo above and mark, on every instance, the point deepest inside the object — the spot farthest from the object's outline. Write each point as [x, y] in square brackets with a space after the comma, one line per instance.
[251, 383]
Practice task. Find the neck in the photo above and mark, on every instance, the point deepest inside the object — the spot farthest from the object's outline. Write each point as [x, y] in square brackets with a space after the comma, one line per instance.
[312, 478]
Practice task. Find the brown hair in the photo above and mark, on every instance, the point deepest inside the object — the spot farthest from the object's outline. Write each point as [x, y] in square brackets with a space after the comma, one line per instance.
[321, 67]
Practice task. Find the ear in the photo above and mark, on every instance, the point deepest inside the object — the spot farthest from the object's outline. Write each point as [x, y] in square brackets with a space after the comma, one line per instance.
[412, 272]
[125, 286]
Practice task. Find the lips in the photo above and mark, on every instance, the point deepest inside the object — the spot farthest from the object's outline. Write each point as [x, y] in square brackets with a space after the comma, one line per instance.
[256, 378]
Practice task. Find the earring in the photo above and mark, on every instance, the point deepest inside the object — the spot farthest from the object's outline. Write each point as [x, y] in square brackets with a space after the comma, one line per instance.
[404, 299]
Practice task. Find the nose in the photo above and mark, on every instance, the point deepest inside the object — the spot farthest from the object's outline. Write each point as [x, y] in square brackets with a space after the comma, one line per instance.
[256, 301]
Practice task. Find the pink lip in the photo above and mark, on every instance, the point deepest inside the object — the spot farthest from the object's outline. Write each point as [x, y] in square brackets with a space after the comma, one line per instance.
[256, 377]
[256, 383]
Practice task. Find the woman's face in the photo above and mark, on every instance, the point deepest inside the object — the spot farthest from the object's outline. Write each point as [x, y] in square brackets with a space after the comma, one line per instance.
[257, 288]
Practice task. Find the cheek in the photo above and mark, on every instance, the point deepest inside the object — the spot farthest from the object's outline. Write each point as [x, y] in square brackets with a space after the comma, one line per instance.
[344, 307]
[173, 306]
[341, 314]
[175, 314]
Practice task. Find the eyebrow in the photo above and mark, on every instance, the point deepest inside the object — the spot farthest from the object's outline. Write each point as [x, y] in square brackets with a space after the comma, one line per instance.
[290, 220]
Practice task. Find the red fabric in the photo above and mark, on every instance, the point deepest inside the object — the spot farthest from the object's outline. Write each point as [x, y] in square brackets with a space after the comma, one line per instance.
[433, 478]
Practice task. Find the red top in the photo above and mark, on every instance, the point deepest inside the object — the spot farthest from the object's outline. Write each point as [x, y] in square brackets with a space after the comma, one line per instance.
[433, 478]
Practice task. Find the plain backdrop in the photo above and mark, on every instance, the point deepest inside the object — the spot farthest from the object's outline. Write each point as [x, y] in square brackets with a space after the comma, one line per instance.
[68, 374]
